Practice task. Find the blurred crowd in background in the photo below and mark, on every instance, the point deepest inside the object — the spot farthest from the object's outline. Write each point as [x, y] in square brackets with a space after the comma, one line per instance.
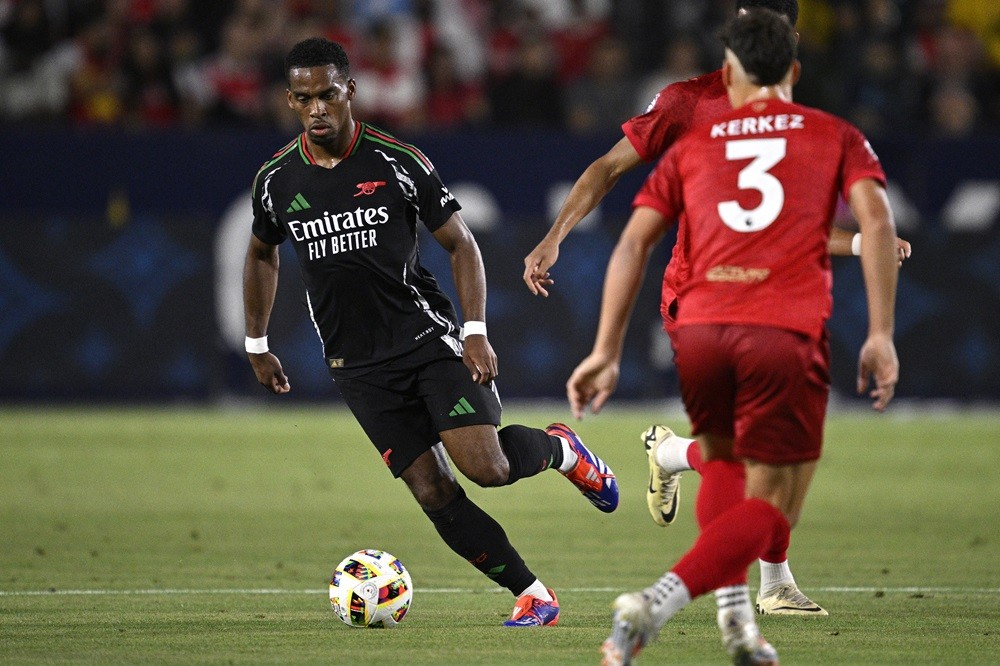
[890, 66]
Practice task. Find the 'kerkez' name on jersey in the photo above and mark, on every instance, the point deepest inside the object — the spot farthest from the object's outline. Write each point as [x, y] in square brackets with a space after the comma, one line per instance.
[759, 125]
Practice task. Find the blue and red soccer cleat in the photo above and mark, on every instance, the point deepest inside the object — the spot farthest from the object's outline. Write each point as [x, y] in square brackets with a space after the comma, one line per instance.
[534, 612]
[594, 479]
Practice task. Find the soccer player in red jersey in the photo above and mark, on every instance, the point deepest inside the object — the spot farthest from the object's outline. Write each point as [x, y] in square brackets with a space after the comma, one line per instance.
[758, 187]
[675, 109]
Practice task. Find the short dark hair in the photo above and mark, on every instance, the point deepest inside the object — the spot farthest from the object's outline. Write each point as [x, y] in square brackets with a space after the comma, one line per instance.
[763, 42]
[788, 8]
[317, 52]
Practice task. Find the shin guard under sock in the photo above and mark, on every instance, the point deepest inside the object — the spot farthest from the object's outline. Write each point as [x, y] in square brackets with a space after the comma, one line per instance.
[529, 451]
[778, 552]
[473, 534]
[723, 486]
[728, 545]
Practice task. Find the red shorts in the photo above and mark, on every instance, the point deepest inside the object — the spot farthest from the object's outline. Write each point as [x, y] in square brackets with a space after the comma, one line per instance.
[767, 388]
[668, 311]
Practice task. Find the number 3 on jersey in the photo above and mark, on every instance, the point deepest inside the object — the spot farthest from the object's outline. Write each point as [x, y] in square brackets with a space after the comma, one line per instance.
[754, 176]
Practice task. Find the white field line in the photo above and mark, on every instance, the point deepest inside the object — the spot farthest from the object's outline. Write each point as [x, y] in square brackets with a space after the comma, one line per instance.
[965, 591]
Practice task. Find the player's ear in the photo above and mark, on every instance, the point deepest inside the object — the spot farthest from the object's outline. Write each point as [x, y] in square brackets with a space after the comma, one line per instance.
[351, 87]
[727, 73]
[289, 98]
[796, 72]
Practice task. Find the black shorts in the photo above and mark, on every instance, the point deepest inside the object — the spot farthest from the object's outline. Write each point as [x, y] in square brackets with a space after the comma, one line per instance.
[403, 405]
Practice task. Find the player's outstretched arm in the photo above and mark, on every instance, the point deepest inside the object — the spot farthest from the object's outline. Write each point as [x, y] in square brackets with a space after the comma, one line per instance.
[877, 362]
[596, 377]
[470, 283]
[842, 244]
[588, 190]
[260, 283]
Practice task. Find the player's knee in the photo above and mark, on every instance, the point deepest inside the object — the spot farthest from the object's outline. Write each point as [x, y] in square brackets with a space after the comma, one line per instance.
[433, 496]
[489, 474]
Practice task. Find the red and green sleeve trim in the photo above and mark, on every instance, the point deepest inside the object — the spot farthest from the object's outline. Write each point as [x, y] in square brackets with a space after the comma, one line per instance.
[277, 156]
[390, 141]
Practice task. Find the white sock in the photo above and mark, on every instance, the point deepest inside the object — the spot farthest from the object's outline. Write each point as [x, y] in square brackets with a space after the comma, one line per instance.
[537, 589]
[672, 455]
[569, 456]
[667, 597]
[733, 599]
[774, 574]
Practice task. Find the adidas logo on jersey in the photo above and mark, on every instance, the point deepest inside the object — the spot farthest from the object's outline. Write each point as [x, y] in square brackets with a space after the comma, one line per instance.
[461, 408]
[298, 203]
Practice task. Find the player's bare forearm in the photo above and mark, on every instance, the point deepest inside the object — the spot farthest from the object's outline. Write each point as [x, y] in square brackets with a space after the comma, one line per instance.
[879, 263]
[623, 278]
[588, 191]
[841, 244]
[260, 283]
[466, 267]
[592, 186]
[621, 287]
[877, 361]
[470, 283]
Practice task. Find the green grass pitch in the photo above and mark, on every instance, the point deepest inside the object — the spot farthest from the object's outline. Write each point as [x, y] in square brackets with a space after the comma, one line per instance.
[207, 536]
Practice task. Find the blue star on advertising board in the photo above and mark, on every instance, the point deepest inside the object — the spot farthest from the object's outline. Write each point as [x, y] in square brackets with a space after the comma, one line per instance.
[22, 301]
[144, 263]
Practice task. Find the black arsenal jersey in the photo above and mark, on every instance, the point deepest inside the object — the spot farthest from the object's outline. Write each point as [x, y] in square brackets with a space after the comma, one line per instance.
[354, 230]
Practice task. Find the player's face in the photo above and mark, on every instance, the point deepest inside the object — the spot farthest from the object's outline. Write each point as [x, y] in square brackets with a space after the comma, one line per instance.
[321, 98]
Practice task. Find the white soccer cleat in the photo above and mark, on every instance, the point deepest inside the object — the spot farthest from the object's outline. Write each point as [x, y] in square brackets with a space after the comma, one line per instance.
[743, 641]
[663, 493]
[787, 600]
[632, 627]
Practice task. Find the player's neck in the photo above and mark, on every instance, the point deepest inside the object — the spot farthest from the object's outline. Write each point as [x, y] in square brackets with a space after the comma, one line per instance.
[764, 93]
[329, 155]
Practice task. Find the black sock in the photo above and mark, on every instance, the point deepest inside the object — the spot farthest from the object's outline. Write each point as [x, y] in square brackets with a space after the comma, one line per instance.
[473, 534]
[529, 451]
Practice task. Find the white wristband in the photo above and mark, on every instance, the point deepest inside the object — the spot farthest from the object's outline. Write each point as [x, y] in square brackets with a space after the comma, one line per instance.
[473, 328]
[256, 345]
[856, 245]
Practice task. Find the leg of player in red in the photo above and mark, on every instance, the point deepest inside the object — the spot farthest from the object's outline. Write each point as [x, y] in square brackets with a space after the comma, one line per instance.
[753, 394]
[718, 562]
[670, 455]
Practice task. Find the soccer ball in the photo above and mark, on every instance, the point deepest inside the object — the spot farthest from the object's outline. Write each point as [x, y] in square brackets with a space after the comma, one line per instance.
[370, 588]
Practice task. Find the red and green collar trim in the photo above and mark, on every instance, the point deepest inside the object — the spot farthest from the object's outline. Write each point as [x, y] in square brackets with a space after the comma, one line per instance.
[307, 155]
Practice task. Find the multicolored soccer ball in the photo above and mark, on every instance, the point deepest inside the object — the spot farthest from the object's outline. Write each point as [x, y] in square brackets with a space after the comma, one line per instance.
[371, 588]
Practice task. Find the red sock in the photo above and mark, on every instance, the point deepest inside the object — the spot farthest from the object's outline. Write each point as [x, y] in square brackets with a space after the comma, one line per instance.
[778, 552]
[729, 545]
[722, 487]
[694, 456]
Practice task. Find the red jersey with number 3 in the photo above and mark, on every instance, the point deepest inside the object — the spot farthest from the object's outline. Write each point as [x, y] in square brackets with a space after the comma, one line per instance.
[759, 186]
[673, 111]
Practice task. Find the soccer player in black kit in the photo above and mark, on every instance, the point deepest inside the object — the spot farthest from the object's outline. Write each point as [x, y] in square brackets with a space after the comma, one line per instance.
[349, 196]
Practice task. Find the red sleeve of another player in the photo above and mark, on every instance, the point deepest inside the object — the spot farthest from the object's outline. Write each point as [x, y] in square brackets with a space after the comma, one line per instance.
[860, 161]
[667, 117]
[662, 189]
